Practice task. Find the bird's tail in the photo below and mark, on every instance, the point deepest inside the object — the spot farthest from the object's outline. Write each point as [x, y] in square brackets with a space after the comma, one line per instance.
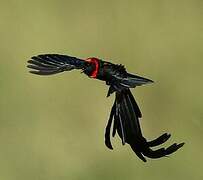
[125, 115]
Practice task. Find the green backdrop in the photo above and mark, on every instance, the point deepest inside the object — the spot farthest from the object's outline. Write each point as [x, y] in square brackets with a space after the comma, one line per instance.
[53, 127]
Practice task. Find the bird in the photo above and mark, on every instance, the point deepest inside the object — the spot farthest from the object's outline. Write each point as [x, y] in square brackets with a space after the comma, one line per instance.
[124, 118]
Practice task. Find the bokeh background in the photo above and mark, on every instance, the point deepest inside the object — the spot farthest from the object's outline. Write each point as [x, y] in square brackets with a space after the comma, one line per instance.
[53, 127]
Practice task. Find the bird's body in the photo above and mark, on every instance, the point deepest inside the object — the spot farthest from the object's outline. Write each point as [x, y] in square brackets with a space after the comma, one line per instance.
[125, 112]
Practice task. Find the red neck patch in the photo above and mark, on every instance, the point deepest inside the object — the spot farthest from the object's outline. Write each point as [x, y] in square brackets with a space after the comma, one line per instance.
[94, 61]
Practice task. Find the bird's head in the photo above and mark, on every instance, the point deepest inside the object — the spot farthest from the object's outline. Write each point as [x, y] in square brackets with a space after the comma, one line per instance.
[92, 67]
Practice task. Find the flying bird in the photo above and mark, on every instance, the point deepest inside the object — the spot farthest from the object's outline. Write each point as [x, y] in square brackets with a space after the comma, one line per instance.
[125, 113]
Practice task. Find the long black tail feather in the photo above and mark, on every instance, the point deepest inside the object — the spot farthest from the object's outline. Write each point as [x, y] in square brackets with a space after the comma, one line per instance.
[125, 113]
[108, 127]
[160, 140]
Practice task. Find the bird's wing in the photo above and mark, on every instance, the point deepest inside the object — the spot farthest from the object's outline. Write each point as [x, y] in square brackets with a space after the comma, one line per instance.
[47, 64]
[120, 77]
[121, 82]
[132, 80]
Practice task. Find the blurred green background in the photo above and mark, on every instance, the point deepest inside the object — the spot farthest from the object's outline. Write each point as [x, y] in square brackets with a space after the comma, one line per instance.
[53, 127]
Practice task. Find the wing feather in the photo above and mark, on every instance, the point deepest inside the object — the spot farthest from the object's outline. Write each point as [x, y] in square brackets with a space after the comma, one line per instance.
[47, 64]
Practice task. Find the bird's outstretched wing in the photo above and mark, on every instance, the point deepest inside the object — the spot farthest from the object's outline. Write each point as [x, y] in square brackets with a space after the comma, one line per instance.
[121, 79]
[125, 113]
[132, 81]
[47, 64]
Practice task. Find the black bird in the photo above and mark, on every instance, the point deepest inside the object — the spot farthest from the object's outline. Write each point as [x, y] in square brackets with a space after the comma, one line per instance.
[125, 112]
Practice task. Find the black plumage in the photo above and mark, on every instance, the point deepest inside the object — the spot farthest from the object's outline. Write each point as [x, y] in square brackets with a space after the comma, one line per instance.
[125, 113]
